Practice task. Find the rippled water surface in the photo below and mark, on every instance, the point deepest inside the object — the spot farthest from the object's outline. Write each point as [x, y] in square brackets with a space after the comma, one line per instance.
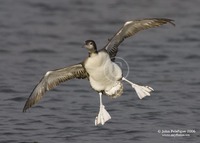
[37, 36]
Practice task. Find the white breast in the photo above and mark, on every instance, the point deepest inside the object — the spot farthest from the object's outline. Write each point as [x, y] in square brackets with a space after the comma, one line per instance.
[104, 74]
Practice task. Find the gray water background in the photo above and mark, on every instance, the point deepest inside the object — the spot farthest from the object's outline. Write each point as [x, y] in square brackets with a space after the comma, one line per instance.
[41, 35]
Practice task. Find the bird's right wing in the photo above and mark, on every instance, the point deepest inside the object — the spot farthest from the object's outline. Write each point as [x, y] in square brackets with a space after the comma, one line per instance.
[52, 79]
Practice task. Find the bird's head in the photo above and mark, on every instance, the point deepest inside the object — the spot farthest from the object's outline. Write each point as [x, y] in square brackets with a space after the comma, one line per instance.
[90, 45]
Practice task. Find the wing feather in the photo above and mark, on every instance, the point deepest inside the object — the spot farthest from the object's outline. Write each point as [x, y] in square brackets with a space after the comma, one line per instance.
[51, 79]
[130, 28]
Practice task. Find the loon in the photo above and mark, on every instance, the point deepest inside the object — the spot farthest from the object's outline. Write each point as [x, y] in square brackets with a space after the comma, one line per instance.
[104, 75]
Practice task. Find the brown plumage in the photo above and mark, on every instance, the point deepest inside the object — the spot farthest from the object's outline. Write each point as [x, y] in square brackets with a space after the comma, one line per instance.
[52, 79]
[130, 28]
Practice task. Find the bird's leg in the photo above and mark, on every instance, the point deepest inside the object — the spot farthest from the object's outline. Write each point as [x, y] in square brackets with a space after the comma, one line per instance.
[142, 91]
[103, 115]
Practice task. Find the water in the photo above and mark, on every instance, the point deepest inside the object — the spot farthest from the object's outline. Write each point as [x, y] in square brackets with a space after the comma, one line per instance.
[37, 36]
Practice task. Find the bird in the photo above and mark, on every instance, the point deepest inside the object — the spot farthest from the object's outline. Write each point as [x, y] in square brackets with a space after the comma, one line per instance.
[99, 68]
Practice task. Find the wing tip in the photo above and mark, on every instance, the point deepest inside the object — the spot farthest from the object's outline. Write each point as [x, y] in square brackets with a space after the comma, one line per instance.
[24, 110]
[29, 103]
[166, 20]
[26, 107]
[172, 22]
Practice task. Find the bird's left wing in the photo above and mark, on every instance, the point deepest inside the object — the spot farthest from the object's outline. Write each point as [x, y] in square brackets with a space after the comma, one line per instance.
[130, 28]
[52, 79]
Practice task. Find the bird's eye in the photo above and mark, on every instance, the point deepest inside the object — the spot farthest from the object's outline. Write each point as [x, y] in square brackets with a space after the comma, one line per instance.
[91, 43]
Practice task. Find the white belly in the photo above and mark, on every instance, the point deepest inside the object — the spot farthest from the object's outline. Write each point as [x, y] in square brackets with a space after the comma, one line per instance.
[104, 74]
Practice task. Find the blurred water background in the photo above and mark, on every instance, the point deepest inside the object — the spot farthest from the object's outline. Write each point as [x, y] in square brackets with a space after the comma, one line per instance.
[41, 35]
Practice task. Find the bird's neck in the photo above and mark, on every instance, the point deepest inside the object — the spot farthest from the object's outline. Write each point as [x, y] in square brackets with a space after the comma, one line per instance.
[92, 53]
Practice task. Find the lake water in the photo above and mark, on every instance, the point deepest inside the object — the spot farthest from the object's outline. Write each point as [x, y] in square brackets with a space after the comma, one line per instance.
[40, 35]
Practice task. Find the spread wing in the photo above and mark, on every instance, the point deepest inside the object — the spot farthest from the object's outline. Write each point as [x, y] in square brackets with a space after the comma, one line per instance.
[130, 28]
[52, 79]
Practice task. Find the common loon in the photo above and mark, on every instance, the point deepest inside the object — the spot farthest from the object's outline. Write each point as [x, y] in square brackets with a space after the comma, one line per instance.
[104, 75]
